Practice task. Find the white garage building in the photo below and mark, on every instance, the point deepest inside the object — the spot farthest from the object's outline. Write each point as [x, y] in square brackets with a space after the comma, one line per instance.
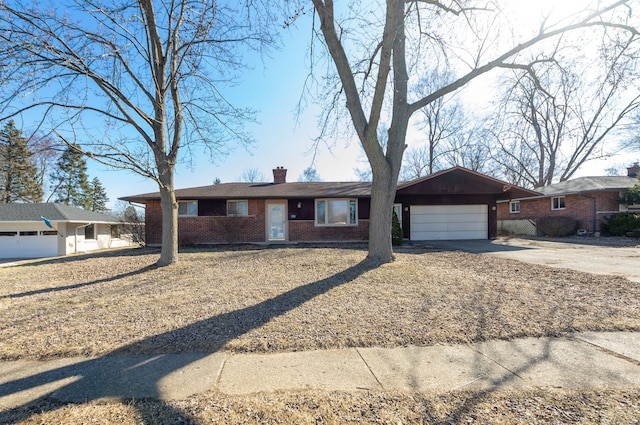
[51, 230]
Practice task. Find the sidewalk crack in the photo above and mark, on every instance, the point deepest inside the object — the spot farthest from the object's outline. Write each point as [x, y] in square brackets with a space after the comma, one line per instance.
[370, 370]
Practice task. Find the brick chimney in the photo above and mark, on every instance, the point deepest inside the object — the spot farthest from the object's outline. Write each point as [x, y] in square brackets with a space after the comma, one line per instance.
[633, 170]
[279, 175]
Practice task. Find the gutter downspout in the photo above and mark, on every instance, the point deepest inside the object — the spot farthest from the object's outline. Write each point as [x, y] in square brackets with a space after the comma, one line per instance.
[75, 244]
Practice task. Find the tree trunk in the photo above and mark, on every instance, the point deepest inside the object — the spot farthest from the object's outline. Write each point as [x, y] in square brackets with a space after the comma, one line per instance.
[169, 208]
[383, 193]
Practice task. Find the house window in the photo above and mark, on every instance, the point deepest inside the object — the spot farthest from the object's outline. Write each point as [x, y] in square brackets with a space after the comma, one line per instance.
[514, 207]
[29, 233]
[48, 233]
[336, 212]
[115, 231]
[8, 233]
[189, 208]
[90, 232]
[237, 208]
[557, 203]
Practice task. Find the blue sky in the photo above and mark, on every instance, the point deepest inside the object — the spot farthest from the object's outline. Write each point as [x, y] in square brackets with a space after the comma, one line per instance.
[273, 87]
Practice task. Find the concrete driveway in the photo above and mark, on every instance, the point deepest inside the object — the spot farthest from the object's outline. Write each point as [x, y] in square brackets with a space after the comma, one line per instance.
[618, 261]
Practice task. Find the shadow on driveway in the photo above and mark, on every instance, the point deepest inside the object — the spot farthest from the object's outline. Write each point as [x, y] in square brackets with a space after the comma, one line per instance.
[480, 246]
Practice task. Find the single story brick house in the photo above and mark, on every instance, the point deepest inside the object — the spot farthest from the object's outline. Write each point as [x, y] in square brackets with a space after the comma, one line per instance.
[453, 204]
[589, 200]
[49, 230]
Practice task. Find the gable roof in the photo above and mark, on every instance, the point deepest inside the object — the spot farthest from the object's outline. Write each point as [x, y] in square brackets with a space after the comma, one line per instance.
[53, 212]
[460, 180]
[588, 184]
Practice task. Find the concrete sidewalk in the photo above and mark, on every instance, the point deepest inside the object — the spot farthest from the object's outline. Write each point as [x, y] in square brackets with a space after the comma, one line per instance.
[582, 360]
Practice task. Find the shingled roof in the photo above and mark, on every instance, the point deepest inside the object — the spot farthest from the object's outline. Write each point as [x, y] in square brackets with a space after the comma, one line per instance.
[588, 184]
[53, 212]
[266, 191]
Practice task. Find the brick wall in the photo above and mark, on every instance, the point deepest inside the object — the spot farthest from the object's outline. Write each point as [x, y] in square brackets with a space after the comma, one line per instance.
[153, 223]
[251, 228]
[579, 207]
[306, 230]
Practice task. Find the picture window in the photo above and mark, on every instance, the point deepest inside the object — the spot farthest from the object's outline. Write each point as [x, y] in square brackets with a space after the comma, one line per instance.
[336, 212]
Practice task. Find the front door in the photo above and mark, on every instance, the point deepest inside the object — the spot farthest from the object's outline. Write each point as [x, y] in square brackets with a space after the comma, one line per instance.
[276, 222]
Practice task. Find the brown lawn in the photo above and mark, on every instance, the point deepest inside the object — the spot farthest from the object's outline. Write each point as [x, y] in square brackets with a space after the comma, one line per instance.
[302, 298]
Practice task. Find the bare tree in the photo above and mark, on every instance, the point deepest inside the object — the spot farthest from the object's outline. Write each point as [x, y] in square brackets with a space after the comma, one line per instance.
[132, 83]
[309, 174]
[45, 156]
[556, 117]
[441, 121]
[471, 149]
[252, 175]
[377, 51]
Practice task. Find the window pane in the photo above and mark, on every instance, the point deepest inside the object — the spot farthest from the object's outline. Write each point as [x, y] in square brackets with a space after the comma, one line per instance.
[338, 213]
[188, 208]
[243, 208]
[352, 212]
[558, 203]
[192, 208]
[237, 208]
[89, 232]
[320, 212]
[29, 233]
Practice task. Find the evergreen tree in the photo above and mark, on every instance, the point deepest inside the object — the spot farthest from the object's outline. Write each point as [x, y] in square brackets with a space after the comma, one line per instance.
[632, 196]
[70, 180]
[18, 173]
[98, 196]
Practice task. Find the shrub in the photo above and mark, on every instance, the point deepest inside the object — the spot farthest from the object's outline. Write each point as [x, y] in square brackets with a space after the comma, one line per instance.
[622, 223]
[556, 227]
[396, 231]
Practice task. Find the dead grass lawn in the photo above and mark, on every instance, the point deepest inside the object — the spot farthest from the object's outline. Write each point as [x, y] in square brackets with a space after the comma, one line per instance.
[298, 298]
[311, 407]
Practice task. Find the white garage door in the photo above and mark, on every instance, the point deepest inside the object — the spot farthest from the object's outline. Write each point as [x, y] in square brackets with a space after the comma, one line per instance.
[449, 222]
[28, 245]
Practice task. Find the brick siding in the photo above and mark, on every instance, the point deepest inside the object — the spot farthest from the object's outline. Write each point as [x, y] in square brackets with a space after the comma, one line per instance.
[579, 207]
[251, 228]
[307, 231]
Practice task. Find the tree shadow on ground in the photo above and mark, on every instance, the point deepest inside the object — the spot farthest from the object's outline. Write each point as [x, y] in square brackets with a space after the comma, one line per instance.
[71, 258]
[77, 285]
[83, 381]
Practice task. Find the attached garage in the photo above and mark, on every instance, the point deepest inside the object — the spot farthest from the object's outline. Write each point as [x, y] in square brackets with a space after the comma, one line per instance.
[449, 222]
[28, 244]
[49, 230]
[453, 204]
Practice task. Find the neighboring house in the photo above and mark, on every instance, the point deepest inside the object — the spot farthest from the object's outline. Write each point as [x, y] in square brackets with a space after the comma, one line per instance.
[24, 233]
[589, 200]
[453, 204]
